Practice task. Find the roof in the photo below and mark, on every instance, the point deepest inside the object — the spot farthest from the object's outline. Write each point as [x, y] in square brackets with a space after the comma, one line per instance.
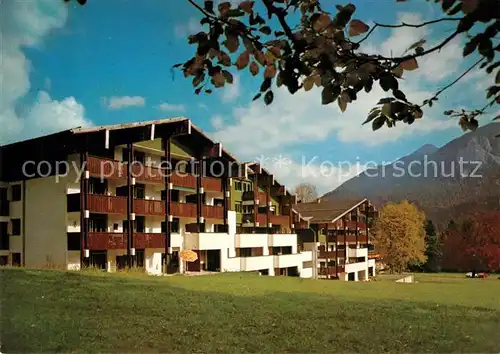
[327, 211]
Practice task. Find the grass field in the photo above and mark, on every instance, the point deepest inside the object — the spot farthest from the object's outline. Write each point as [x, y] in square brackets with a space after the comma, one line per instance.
[55, 311]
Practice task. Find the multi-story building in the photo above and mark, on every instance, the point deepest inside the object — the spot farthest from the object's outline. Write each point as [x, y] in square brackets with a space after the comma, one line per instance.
[339, 234]
[136, 195]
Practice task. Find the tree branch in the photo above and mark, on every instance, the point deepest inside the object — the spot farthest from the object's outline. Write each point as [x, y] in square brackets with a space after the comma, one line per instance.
[454, 81]
[407, 25]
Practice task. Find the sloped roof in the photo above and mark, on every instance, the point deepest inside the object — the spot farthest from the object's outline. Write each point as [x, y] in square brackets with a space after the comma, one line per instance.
[327, 211]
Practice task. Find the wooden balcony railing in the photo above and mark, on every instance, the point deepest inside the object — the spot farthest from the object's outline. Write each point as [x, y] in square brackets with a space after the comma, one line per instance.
[211, 184]
[106, 168]
[332, 254]
[107, 240]
[213, 212]
[112, 169]
[249, 195]
[186, 210]
[149, 240]
[280, 219]
[331, 270]
[149, 207]
[107, 204]
[261, 219]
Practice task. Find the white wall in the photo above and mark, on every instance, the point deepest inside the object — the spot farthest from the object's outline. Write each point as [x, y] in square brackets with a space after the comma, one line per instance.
[46, 224]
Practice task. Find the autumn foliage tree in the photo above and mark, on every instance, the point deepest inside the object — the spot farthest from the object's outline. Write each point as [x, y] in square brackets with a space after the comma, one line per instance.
[399, 235]
[473, 244]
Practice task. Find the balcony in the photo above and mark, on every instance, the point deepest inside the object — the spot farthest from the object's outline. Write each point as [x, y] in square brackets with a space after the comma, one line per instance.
[291, 260]
[107, 204]
[332, 271]
[213, 212]
[149, 240]
[260, 196]
[331, 254]
[149, 207]
[112, 169]
[280, 220]
[358, 252]
[248, 264]
[184, 210]
[107, 240]
[207, 240]
[261, 219]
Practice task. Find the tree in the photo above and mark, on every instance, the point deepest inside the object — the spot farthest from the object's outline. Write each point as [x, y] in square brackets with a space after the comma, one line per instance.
[433, 251]
[399, 235]
[473, 243]
[306, 192]
[321, 49]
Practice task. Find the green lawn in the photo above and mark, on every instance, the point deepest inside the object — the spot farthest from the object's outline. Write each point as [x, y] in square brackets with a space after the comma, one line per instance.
[55, 311]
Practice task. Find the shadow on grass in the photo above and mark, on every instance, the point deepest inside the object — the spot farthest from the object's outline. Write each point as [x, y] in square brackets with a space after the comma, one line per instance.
[53, 311]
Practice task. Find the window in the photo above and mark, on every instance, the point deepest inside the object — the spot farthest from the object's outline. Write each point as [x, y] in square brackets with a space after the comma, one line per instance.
[3, 194]
[237, 185]
[140, 223]
[98, 223]
[140, 157]
[247, 209]
[247, 187]
[16, 192]
[73, 239]
[16, 227]
[16, 259]
[174, 195]
[140, 191]
[174, 226]
[96, 186]
[4, 236]
[4, 260]
[238, 207]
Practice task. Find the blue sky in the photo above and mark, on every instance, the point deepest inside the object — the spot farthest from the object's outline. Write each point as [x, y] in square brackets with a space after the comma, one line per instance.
[110, 62]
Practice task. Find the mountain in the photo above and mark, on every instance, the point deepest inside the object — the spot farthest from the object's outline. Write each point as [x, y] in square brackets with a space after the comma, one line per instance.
[445, 182]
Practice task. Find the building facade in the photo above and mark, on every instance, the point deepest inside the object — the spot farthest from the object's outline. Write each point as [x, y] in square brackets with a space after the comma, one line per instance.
[138, 194]
[338, 232]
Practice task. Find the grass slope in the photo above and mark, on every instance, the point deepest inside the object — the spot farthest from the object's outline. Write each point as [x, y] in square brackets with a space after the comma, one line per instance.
[54, 311]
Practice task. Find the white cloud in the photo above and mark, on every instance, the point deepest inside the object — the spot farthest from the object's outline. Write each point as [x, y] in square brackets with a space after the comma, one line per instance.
[231, 92]
[192, 26]
[169, 107]
[119, 102]
[325, 175]
[25, 24]
[217, 122]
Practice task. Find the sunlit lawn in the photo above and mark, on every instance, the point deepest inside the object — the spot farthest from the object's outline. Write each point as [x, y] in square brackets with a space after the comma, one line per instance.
[55, 311]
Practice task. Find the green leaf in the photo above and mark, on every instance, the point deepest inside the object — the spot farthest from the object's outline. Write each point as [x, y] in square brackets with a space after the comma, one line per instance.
[417, 44]
[372, 116]
[342, 101]
[378, 123]
[266, 84]
[497, 118]
[268, 98]
[257, 96]
[497, 78]
[469, 47]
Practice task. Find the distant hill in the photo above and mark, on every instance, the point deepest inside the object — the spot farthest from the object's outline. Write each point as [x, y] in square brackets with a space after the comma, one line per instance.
[445, 182]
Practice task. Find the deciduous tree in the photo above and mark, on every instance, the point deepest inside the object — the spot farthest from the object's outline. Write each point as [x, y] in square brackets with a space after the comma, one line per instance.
[306, 192]
[473, 243]
[399, 235]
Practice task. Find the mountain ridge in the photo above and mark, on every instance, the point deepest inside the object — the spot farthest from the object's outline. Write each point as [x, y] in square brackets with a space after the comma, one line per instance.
[464, 171]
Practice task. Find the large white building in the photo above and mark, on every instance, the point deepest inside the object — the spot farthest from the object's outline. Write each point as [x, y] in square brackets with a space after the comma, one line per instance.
[108, 197]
